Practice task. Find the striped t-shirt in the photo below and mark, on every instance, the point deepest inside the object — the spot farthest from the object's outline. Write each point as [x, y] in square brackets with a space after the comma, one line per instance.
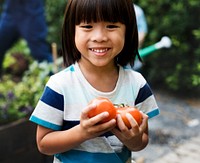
[68, 92]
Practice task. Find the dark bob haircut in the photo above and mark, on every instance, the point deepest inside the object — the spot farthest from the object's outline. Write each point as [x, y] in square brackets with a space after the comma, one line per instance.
[95, 11]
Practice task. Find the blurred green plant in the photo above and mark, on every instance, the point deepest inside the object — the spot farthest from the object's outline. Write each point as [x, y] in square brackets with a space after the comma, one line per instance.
[54, 16]
[19, 47]
[177, 68]
[18, 99]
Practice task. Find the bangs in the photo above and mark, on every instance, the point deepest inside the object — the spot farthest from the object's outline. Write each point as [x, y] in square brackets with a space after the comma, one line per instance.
[100, 10]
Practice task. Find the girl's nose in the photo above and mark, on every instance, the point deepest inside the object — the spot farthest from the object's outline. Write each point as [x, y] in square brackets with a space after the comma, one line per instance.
[99, 35]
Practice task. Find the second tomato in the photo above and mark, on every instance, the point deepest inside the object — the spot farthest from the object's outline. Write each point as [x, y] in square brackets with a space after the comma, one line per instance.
[133, 111]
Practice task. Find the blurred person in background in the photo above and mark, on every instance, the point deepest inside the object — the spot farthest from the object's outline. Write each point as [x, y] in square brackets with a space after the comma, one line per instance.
[141, 24]
[24, 19]
[142, 31]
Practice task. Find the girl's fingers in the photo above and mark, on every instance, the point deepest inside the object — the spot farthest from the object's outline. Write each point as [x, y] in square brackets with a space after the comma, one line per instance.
[120, 122]
[86, 110]
[98, 118]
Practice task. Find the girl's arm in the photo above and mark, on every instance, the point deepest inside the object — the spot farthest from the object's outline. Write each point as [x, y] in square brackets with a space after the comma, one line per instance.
[135, 138]
[50, 142]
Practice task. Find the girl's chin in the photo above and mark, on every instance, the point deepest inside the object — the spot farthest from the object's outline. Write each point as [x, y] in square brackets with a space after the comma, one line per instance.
[99, 63]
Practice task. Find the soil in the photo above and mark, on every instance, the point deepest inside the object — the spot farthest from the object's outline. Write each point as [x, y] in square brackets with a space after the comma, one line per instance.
[178, 122]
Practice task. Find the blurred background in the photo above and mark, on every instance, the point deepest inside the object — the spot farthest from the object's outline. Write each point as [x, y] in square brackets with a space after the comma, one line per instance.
[173, 73]
[174, 68]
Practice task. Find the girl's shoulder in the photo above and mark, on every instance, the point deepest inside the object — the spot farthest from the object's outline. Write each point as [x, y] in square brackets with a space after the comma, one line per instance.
[132, 76]
[131, 72]
[62, 73]
[62, 77]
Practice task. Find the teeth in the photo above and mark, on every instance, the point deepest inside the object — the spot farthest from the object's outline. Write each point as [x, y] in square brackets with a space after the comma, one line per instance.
[100, 50]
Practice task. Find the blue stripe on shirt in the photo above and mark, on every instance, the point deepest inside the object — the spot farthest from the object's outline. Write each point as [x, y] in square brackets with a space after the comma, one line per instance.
[44, 123]
[77, 156]
[52, 98]
[143, 94]
[153, 113]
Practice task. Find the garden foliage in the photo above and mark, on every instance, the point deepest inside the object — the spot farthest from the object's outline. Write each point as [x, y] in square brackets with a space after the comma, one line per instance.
[54, 16]
[18, 99]
[177, 68]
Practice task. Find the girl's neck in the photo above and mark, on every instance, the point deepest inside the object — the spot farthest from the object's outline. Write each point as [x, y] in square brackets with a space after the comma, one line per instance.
[101, 78]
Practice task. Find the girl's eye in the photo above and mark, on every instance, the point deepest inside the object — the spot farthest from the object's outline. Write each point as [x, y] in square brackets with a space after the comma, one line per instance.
[112, 26]
[86, 26]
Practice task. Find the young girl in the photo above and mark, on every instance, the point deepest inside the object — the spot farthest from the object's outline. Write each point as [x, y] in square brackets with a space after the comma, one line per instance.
[99, 38]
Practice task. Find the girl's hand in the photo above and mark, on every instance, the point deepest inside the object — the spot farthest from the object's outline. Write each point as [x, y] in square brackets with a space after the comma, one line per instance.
[135, 138]
[92, 127]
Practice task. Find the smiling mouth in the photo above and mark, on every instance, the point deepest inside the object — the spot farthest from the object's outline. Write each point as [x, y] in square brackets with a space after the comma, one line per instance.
[100, 50]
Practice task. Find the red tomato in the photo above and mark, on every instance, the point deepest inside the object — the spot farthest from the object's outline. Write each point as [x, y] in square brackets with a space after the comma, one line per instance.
[133, 111]
[103, 105]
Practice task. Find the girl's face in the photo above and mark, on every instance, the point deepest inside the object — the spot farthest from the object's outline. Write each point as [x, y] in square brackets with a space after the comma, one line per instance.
[99, 42]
